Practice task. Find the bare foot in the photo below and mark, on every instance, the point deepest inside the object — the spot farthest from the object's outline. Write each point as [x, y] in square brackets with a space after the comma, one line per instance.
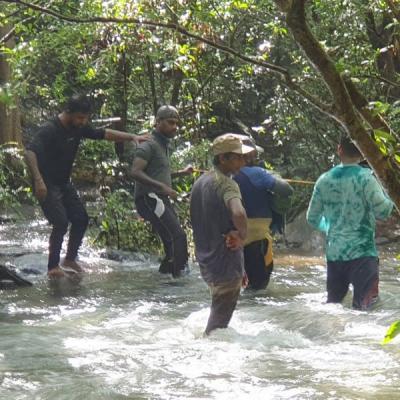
[72, 265]
[56, 273]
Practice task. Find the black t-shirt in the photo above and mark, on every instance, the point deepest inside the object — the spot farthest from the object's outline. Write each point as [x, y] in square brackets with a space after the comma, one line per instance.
[56, 146]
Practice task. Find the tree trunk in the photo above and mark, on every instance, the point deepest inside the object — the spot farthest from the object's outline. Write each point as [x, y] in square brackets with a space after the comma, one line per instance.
[10, 124]
[344, 110]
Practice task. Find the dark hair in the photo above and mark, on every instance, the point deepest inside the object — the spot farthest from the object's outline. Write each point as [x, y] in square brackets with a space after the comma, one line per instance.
[348, 147]
[78, 103]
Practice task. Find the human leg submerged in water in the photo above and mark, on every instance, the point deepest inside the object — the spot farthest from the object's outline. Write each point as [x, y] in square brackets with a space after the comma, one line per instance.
[224, 298]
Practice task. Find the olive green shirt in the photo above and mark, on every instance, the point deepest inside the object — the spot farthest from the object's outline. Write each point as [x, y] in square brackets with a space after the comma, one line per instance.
[156, 153]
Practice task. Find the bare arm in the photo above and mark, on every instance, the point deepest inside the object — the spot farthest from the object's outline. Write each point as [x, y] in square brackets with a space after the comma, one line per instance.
[39, 187]
[183, 172]
[239, 217]
[119, 136]
[138, 174]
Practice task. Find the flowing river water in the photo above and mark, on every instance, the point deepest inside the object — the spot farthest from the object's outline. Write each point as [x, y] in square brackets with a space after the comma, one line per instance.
[127, 332]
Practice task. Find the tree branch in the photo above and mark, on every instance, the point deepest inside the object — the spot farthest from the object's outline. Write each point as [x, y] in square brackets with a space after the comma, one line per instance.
[167, 25]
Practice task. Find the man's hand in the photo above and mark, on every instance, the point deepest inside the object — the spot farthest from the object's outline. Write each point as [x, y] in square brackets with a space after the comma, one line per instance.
[188, 170]
[245, 281]
[233, 241]
[141, 138]
[169, 191]
[40, 189]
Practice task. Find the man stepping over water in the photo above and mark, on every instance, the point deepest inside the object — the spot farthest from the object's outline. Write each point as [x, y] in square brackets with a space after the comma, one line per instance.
[258, 188]
[50, 157]
[345, 204]
[219, 228]
[153, 190]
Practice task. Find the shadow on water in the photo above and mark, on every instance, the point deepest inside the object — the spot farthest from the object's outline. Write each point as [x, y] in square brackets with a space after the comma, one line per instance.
[68, 286]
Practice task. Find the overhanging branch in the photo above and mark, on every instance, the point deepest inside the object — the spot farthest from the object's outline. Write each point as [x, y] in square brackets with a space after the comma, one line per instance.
[167, 25]
[281, 74]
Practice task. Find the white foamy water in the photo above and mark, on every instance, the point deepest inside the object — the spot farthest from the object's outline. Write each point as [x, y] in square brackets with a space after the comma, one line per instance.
[127, 332]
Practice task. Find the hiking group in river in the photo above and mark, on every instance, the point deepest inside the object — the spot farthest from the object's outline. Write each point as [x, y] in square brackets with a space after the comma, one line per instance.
[234, 208]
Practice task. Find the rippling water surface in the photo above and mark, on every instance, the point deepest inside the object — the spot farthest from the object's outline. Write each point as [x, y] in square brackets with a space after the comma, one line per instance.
[127, 332]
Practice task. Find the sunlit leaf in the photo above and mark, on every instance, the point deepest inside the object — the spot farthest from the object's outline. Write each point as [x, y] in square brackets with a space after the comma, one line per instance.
[392, 332]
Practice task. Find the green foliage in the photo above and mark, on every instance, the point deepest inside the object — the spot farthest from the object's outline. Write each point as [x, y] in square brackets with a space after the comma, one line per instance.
[97, 162]
[131, 69]
[14, 183]
[120, 227]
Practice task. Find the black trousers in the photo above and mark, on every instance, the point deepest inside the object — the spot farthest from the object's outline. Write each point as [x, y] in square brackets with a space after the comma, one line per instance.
[159, 211]
[61, 207]
[255, 266]
[362, 273]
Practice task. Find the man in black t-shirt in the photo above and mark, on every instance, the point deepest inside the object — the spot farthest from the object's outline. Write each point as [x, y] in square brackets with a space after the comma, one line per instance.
[50, 157]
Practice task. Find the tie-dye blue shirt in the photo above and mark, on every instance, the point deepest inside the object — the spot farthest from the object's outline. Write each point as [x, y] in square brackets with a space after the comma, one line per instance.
[345, 204]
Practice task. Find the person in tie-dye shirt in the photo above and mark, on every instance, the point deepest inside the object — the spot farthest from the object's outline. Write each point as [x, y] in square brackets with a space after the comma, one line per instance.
[345, 204]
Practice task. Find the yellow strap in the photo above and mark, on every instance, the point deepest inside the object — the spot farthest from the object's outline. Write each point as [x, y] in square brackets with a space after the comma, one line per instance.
[300, 182]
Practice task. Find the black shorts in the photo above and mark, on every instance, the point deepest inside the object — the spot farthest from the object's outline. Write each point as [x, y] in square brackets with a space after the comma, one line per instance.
[362, 273]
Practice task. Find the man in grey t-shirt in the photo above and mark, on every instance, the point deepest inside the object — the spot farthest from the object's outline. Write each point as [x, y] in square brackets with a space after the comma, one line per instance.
[219, 228]
[152, 172]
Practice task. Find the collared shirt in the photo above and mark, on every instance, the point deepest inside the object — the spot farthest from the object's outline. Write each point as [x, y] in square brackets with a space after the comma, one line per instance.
[156, 153]
[211, 220]
[345, 204]
[56, 146]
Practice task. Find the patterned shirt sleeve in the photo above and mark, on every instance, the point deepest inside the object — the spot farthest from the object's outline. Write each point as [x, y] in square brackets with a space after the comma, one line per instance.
[378, 201]
[315, 216]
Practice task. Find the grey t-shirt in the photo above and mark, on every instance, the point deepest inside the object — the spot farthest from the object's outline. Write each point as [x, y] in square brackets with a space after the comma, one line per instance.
[156, 153]
[211, 219]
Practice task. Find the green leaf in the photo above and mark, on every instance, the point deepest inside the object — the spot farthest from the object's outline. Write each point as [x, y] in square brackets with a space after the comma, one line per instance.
[90, 74]
[384, 136]
[392, 332]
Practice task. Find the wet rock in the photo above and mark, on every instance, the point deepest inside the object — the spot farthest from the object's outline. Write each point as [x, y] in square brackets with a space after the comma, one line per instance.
[10, 279]
[123, 256]
[299, 234]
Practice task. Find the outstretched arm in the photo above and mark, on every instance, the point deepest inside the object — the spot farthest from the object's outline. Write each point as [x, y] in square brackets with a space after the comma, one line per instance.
[119, 136]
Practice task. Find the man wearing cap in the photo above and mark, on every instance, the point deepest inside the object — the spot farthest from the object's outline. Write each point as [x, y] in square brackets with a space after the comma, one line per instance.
[258, 188]
[219, 228]
[153, 191]
[50, 157]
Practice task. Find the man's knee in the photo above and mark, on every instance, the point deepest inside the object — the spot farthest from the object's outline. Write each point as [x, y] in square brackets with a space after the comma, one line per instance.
[80, 219]
[60, 225]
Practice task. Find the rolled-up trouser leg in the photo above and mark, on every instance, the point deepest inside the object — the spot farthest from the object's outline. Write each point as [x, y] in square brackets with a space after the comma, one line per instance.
[54, 210]
[224, 299]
